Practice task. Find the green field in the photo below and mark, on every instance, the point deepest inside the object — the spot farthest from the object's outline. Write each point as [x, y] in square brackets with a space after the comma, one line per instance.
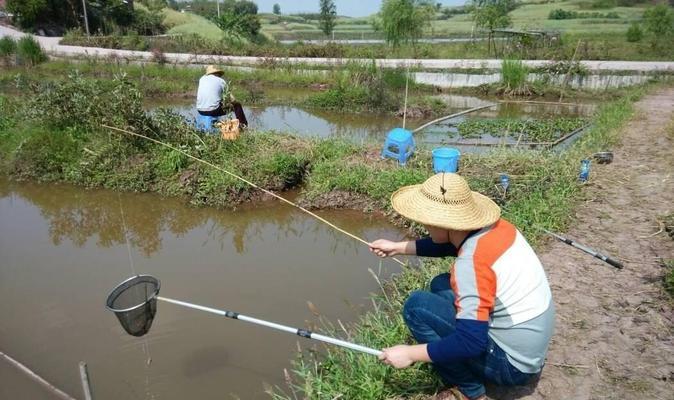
[527, 16]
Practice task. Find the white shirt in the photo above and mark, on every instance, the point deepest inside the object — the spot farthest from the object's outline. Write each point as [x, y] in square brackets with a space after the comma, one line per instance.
[210, 92]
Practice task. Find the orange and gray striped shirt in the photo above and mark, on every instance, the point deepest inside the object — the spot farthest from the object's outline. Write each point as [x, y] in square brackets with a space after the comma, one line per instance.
[500, 285]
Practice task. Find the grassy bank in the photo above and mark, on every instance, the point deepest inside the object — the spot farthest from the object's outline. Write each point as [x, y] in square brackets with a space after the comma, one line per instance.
[56, 135]
[358, 87]
[354, 87]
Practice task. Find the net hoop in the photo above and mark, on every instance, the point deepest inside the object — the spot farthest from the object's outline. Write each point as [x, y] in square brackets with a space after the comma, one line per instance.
[124, 285]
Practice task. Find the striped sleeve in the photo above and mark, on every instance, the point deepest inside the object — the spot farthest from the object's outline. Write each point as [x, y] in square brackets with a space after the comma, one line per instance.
[474, 280]
[474, 285]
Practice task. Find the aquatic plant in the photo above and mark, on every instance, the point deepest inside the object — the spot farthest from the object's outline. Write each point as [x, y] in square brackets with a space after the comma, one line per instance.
[528, 130]
[359, 87]
[514, 78]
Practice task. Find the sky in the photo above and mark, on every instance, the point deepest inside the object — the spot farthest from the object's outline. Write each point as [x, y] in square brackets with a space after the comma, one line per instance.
[351, 8]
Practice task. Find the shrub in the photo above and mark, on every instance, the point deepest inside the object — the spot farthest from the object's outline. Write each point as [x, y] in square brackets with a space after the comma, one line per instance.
[564, 14]
[360, 85]
[158, 56]
[634, 33]
[147, 22]
[7, 46]
[133, 41]
[29, 52]
[659, 22]
[604, 3]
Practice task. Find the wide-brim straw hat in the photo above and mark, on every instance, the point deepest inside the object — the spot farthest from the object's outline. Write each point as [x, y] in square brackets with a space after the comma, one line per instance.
[212, 69]
[446, 201]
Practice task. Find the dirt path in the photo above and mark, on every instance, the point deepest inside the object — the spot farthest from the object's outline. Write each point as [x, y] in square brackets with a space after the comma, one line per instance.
[614, 337]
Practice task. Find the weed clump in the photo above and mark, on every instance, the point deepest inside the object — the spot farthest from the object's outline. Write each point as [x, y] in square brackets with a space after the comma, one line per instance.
[668, 279]
[29, 52]
[7, 49]
[362, 87]
[514, 79]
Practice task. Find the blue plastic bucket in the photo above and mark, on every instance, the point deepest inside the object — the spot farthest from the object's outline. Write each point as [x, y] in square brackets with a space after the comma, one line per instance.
[446, 159]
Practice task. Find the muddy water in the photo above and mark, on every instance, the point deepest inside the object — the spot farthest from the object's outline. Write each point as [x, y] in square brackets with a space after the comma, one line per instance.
[373, 127]
[63, 249]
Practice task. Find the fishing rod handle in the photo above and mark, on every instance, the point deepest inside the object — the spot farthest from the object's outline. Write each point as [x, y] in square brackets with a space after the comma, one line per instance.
[610, 261]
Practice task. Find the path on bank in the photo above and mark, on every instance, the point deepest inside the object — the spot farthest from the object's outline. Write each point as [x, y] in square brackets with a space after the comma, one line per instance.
[52, 46]
[614, 335]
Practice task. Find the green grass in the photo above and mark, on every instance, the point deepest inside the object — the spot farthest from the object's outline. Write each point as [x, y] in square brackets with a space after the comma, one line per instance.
[190, 24]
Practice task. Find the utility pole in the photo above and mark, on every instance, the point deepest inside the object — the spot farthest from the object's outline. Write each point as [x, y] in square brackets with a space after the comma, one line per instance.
[218, 3]
[86, 20]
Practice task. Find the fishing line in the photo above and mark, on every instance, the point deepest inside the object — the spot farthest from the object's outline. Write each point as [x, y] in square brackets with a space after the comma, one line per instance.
[283, 199]
[146, 345]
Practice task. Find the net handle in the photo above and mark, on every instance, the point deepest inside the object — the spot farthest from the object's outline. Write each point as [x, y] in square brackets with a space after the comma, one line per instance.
[297, 331]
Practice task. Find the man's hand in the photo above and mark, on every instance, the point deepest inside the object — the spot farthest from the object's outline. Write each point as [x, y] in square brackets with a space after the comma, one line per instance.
[398, 356]
[387, 248]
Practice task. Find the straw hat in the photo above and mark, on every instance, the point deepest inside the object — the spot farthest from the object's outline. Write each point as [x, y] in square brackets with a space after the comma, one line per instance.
[212, 69]
[446, 201]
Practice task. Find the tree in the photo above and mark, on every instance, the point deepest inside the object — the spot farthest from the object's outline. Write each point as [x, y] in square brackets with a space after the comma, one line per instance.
[239, 18]
[491, 15]
[328, 16]
[104, 15]
[402, 21]
[277, 9]
[634, 33]
[659, 22]
[27, 11]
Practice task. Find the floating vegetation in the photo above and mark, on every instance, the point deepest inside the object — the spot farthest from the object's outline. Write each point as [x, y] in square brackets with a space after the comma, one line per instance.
[531, 130]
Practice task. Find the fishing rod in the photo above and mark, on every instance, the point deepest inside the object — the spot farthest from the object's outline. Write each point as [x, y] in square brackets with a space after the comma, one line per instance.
[134, 302]
[283, 199]
[584, 248]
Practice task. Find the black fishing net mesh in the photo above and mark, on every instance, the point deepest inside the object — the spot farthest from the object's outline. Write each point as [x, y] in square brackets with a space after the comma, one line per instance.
[134, 302]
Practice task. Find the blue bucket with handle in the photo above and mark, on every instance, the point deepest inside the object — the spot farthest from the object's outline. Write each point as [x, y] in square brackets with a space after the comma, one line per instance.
[446, 159]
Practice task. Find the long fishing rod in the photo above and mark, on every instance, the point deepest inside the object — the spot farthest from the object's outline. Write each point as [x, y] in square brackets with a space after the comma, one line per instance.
[584, 248]
[283, 199]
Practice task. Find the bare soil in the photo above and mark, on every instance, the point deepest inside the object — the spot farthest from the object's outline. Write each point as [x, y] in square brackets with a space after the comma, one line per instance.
[614, 336]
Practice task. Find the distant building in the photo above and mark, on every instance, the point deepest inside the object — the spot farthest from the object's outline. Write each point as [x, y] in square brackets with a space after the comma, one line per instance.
[2, 3]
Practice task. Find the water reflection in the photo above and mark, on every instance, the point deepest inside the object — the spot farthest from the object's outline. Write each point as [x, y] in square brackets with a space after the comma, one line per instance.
[63, 250]
[373, 127]
[79, 216]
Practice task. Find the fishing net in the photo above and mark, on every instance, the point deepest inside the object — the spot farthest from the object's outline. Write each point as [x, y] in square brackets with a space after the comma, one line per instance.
[134, 302]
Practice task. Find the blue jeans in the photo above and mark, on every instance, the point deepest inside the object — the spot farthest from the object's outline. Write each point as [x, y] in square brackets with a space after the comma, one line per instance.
[431, 316]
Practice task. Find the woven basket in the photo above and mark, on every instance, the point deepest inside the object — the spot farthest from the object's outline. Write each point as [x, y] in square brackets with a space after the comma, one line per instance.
[229, 129]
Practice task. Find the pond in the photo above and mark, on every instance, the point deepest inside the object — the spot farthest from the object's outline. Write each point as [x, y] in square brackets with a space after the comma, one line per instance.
[63, 249]
[373, 127]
